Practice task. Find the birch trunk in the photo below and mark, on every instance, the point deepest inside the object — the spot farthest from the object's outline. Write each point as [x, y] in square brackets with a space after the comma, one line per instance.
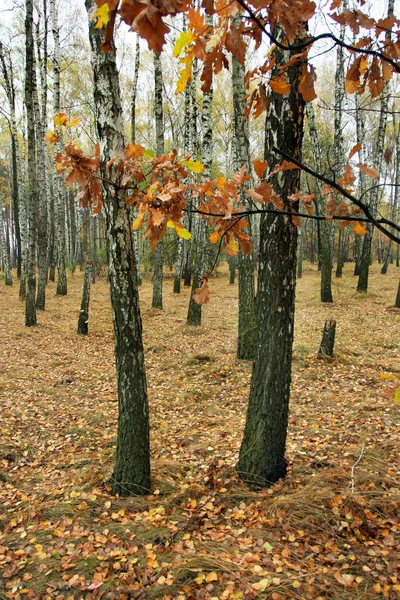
[246, 293]
[41, 120]
[374, 195]
[338, 145]
[30, 308]
[262, 453]
[7, 71]
[5, 248]
[201, 241]
[132, 467]
[326, 227]
[157, 301]
[59, 199]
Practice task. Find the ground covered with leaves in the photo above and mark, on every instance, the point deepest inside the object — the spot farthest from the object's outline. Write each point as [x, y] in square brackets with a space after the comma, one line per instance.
[330, 530]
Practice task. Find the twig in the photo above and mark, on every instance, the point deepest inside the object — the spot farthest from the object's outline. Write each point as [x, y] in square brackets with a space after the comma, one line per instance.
[354, 466]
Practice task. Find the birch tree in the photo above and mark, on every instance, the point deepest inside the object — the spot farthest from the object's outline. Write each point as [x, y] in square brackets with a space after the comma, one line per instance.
[59, 201]
[132, 467]
[30, 81]
[157, 301]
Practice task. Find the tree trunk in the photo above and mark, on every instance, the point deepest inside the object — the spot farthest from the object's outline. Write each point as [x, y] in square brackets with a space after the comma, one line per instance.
[30, 308]
[134, 90]
[83, 320]
[5, 248]
[328, 340]
[338, 145]
[41, 120]
[201, 240]
[397, 303]
[246, 291]
[157, 301]
[178, 268]
[326, 227]
[374, 195]
[132, 467]
[300, 254]
[59, 200]
[262, 453]
[9, 86]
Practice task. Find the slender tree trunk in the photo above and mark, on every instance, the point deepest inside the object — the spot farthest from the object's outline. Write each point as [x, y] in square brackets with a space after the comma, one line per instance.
[157, 301]
[5, 248]
[178, 267]
[326, 227]
[262, 453]
[9, 86]
[41, 120]
[134, 90]
[132, 467]
[246, 292]
[30, 308]
[394, 196]
[201, 241]
[338, 144]
[83, 327]
[374, 195]
[59, 199]
[300, 253]
[232, 269]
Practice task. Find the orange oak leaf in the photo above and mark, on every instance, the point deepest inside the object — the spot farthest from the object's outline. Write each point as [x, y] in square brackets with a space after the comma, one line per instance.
[370, 171]
[202, 294]
[260, 166]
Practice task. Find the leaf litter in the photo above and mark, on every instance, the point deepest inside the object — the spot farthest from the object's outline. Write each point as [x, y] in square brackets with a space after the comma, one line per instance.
[201, 533]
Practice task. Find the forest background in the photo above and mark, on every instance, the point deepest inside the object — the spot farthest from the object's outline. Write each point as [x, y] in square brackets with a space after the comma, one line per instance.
[79, 239]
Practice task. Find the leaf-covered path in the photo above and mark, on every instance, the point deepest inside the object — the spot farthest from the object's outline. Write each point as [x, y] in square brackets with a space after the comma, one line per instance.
[202, 533]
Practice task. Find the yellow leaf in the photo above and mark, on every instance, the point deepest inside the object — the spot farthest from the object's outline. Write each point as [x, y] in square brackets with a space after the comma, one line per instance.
[233, 248]
[74, 122]
[397, 395]
[137, 223]
[60, 120]
[183, 40]
[389, 376]
[214, 237]
[183, 233]
[261, 585]
[184, 76]
[170, 224]
[102, 15]
[51, 137]
[359, 229]
[193, 165]
[211, 577]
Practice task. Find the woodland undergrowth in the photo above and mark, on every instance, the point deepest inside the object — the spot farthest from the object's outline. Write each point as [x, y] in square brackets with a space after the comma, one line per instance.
[321, 533]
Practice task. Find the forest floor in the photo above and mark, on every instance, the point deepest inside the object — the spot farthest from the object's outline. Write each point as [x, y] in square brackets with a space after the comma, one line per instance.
[201, 533]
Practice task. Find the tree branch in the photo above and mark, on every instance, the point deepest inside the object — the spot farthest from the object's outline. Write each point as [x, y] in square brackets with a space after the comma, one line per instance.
[310, 41]
[346, 194]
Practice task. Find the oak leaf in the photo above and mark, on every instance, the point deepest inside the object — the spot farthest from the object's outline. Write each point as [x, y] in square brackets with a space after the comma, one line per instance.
[359, 229]
[260, 166]
[370, 171]
[202, 294]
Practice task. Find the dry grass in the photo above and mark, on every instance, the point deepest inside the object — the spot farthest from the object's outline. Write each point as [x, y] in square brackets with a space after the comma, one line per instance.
[60, 530]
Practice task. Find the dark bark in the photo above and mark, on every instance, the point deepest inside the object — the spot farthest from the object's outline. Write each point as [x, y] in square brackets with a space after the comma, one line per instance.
[232, 269]
[328, 340]
[132, 467]
[397, 303]
[30, 308]
[262, 453]
[83, 327]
